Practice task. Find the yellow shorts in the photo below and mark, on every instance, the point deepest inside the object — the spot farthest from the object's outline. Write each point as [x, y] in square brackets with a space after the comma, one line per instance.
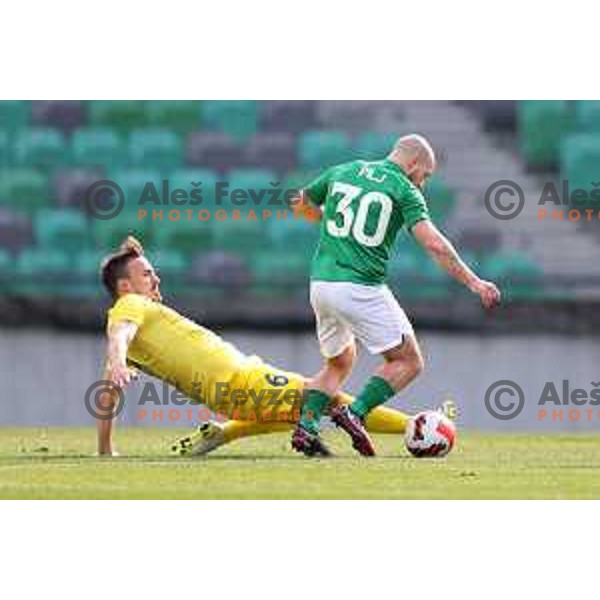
[263, 393]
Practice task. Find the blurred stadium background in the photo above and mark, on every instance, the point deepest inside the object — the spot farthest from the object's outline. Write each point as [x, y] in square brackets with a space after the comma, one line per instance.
[249, 280]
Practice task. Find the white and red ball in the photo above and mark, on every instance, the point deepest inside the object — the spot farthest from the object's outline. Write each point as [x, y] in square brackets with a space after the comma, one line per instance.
[430, 434]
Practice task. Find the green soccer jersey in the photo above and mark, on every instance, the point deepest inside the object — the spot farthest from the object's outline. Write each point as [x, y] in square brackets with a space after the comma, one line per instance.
[364, 206]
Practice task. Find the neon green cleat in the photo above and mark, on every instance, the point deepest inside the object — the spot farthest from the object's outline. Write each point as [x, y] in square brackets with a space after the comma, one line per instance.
[205, 439]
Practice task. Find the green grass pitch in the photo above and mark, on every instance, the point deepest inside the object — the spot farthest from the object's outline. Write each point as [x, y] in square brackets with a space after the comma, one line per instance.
[58, 463]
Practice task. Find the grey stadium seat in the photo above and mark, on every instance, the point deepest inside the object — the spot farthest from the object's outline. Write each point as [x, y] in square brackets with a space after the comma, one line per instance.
[276, 151]
[212, 150]
[288, 115]
[70, 186]
[63, 114]
[15, 230]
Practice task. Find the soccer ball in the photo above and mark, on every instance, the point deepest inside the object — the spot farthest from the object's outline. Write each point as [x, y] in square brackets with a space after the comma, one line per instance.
[430, 434]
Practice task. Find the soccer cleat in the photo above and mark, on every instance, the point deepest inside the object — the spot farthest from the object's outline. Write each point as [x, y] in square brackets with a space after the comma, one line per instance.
[205, 439]
[309, 443]
[449, 409]
[352, 424]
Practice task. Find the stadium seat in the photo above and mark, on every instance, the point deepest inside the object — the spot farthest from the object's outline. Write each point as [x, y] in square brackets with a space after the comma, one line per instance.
[441, 200]
[62, 228]
[142, 189]
[496, 114]
[14, 115]
[62, 114]
[15, 230]
[294, 116]
[185, 178]
[251, 181]
[277, 273]
[320, 149]
[42, 148]
[185, 236]
[542, 123]
[42, 271]
[372, 145]
[24, 189]
[242, 238]
[155, 148]
[123, 115]
[587, 115]
[108, 234]
[219, 270]
[5, 153]
[580, 160]
[517, 275]
[70, 186]
[212, 150]
[414, 274]
[276, 151]
[97, 147]
[294, 235]
[238, 118]
[86, 273]
[182, 116]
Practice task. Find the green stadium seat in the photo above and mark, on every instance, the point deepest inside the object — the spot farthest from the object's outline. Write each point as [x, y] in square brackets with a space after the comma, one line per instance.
[542, 123]
[5, 155]
[277, 273]
[441, 200]
[123, 115]
[320, 149]
[185, 236]
[373, 145]
[296, 235]
[242, 237]
[42, 271]
[14, 115]
[24, 189]
[109, 234]
[580, 160]
[587, 115]
[64, 228]
[43, 148]
[141, 189]
[97, 147]
[517, 275]
[185, 178]
[238, 118]
[252, 181]
[155, 148]
[86, 271]
[181, 116]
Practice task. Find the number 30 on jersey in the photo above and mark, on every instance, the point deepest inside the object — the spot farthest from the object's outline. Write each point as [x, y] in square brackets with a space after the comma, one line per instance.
[355, 223]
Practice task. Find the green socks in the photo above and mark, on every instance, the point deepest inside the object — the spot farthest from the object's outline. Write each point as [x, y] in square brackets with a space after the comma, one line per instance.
[377, 391]
[313, 409]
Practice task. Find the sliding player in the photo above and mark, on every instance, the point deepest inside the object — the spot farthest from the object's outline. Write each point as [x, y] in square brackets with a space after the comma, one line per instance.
[145, 334]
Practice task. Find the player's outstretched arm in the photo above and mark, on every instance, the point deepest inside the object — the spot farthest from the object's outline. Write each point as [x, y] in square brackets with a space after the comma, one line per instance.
[106, 410]
[443, 252]
[117, 371]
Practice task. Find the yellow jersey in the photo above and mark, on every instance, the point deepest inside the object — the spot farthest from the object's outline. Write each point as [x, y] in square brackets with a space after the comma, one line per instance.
[186, 355]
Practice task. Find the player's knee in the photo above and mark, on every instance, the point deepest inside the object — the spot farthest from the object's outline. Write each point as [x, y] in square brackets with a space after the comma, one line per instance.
[343, 362]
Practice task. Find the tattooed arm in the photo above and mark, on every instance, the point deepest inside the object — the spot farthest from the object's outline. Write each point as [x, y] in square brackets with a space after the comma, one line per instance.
[443, 252]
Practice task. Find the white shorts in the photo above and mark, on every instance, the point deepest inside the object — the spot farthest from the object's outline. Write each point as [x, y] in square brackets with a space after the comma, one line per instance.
[347, 310]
